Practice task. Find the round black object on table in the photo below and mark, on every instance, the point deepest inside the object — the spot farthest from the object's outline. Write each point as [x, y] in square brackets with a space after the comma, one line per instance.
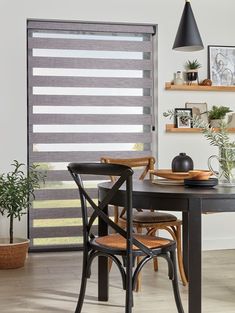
[211, 182]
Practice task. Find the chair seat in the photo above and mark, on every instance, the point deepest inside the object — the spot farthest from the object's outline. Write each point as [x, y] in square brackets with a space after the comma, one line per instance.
[151, 217]
[116, 241]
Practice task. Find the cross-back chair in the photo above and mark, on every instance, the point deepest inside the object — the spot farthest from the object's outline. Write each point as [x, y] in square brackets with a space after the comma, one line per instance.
[123, 243]
[150, 220]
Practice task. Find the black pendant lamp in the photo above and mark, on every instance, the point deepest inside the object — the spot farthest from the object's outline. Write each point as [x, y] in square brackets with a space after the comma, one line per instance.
[188, 37]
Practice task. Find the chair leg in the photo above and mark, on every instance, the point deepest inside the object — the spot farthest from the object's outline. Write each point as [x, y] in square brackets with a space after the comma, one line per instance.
[175, 284]
[83, 283]
[138, 259]
[179, 256]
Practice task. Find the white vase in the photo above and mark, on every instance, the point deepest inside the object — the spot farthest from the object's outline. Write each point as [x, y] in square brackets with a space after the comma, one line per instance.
[215, 123]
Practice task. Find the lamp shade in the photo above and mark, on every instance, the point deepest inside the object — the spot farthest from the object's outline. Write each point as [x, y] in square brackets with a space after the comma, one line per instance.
[188, 37]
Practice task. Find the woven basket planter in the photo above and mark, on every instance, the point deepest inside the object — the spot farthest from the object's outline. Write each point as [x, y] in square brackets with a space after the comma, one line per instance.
[13, 255]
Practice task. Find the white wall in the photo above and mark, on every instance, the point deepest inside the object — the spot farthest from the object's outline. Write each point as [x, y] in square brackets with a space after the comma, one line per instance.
[216, 23]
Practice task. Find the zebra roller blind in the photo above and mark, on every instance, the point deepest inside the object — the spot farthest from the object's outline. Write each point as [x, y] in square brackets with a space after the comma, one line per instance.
[90, 94]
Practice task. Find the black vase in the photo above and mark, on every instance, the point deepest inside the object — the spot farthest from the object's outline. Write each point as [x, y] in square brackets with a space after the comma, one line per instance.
[182, 163]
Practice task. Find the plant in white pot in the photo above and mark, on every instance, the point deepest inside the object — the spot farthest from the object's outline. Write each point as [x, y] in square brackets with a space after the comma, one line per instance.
[216, 114]
[192, 70]
[16, 195]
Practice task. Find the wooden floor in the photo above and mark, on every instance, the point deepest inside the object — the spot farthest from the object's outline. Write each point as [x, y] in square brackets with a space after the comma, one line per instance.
[50, 282]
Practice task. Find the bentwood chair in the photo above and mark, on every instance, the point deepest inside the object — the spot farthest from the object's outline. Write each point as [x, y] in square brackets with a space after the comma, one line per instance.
[123, 243]
[149, 220]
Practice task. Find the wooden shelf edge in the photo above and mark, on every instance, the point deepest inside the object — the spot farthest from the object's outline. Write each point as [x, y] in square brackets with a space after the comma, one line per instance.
[195, 87]
[170, 128]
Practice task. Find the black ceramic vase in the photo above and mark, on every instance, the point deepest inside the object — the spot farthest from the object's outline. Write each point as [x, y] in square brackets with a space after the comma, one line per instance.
[182, 163]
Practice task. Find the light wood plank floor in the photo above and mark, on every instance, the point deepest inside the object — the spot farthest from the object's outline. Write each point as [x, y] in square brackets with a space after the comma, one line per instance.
[50, 282]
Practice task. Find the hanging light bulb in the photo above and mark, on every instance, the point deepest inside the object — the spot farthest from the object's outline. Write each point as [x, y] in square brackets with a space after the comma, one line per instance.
[188, 37]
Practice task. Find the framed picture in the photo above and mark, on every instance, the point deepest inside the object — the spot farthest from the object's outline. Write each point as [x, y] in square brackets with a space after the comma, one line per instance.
[221, 65]
[198, 110]
[183, 118]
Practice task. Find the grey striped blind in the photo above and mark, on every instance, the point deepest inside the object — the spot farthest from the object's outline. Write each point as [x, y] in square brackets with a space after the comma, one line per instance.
[90, 94]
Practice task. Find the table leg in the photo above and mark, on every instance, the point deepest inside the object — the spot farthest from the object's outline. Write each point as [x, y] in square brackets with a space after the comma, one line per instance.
[185, 242]
[194, 256]
[103, 274]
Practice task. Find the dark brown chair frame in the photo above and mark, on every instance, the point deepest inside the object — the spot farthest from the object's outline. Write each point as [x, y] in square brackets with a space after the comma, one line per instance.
[96, 246]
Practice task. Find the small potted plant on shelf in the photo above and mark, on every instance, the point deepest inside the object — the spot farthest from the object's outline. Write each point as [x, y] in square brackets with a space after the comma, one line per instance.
[192, 70]
[16, 195]
[216, 114]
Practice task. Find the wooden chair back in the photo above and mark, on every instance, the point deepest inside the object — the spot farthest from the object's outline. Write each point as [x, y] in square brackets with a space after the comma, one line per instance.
[147, 163]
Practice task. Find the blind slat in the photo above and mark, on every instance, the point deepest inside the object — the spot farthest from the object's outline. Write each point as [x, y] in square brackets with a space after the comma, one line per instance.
[63, 100]
[82, 156]
[96, 82]
[50, 232]
[93, 45]
[89, 63]
[90, 137]
[60, 194]
[95, 119]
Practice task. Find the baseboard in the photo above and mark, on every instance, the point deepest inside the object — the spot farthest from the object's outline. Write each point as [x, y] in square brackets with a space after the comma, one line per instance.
[218, 243]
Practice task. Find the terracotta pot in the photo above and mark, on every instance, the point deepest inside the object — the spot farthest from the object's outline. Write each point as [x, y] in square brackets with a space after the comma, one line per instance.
[13, 255]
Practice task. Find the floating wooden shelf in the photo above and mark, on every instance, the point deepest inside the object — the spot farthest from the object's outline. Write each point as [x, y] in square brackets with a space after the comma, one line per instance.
[170, 128]
[195, 87]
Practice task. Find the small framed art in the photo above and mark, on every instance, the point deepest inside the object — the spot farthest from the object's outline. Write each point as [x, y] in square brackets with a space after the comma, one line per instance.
[183, 118]
[198, 110]
[221, 65]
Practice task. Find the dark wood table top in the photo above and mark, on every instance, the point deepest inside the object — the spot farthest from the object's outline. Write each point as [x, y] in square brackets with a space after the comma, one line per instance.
[147, 194]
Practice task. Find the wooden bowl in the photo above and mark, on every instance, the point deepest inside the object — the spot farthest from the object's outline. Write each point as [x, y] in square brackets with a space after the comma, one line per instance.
[199, 175]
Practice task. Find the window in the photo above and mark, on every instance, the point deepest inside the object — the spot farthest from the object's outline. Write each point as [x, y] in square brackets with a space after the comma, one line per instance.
[90, 94]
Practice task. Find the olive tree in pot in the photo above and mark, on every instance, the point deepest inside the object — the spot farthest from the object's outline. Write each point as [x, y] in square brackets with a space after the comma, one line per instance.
[16, 195]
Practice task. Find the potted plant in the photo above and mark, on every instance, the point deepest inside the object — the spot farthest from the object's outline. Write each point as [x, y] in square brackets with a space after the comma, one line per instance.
[216, 114]
[16, 195]
[192, 70]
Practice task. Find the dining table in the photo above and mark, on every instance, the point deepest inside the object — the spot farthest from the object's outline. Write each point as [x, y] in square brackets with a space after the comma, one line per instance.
[192, 202]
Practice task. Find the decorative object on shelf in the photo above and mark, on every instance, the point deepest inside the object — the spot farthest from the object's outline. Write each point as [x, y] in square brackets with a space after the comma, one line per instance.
[226, 160]
[188, 37]
[198, 110]
[182, 163]
[192, 71]
[220, 139]
[183, 120]
[221, 61]
[216, 114]
[231, 120]
[178, 80]
[16, 194]
[206, 82]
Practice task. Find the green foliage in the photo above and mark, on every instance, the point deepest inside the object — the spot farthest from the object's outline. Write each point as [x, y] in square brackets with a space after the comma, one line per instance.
[193, 65]
[17, 191]
[218, 112]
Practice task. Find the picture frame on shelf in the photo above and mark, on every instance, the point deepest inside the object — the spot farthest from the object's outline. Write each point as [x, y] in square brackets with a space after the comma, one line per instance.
[221, 65]
[183, 121]
[198, 110]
